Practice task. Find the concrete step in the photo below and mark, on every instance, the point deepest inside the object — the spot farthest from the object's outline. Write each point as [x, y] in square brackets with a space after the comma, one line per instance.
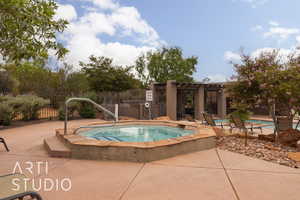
[57, 148]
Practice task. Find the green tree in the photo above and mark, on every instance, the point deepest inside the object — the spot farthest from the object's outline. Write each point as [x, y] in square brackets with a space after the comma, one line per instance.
[65, 82]
[32, 78]
[73, 83]
[8, 84]
[165, 64]
[28, 30]
[267, 80]
[102, 75]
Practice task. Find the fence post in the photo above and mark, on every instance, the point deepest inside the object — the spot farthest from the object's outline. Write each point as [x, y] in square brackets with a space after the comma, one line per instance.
[117, 112]
[141, 111]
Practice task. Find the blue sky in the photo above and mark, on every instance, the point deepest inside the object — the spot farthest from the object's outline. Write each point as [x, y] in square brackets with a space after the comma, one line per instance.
[212, 30]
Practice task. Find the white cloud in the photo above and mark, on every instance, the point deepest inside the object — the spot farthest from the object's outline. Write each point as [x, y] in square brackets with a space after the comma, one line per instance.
[281, 32]
[274, 23]
[217, 78]
[231, 56]
[283, 54]
[258, 52]
[104, 4]
[83, 36]
[92, 23]
[131, 21]
[66, 12]
[298, 39]
[253, 3]
[278, 32]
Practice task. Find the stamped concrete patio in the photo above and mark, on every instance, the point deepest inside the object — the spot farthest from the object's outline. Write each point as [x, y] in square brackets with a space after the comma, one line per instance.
[210, 175]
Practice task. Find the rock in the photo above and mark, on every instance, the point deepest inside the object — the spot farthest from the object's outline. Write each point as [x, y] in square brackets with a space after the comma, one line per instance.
[289, 137]
[284, 162]
[298, 145]
[261, 149]
[269, 138]
[271, 147]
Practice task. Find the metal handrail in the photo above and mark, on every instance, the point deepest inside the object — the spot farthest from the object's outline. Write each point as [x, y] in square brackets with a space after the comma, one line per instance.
[87, 100]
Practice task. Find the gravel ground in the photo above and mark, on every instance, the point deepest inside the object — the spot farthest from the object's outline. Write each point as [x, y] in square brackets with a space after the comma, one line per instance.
[259, 149]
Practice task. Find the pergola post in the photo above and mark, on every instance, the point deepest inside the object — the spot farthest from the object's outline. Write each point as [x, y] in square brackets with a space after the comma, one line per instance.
[171, 103]
[199, 102]
[221, 101]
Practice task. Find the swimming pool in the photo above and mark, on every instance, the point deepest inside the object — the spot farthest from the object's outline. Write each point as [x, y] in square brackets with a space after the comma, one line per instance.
[135, 133]
[269, 123]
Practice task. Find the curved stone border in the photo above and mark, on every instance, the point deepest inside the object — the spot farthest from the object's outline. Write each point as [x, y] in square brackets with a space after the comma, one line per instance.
[84, 148]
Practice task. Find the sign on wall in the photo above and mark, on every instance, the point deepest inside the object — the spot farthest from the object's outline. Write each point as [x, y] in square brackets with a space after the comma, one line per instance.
[149, 95]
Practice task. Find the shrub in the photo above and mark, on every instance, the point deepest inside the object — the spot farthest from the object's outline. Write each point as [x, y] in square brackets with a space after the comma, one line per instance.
[73, 106]
[6, 114]
[87, 110]
[29, 106]
[25, 105]
[13, 105]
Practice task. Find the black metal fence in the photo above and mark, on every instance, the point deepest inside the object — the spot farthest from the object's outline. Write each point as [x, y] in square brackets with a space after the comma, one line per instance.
[48, 112]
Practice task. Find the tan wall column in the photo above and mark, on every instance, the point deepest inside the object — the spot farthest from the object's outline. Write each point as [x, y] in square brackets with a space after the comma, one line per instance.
[171, 103]
[154, 95]
[221, 101]
[199, 103]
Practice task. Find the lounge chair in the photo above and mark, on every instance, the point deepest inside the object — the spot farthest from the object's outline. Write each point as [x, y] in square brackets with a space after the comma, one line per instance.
[4, 143]
[282, 124]
[9, 184]
[298, 124]
[240, 124]
[211, 122]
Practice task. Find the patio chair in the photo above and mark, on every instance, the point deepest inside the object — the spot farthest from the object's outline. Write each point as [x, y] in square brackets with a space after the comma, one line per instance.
[211, 122]
[4, 143]
[8, 188]
[240, 124]
[283, 123]
[298, 124]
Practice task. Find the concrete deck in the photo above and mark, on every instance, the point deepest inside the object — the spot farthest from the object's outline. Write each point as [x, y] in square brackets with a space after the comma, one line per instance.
[211, 175]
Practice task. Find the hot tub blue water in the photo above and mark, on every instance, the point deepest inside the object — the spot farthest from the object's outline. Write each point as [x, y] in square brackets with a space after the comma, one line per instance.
[135, 133]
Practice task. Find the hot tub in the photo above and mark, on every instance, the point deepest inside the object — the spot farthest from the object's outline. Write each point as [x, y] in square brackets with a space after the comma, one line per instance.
[137, 141]
[135, 133]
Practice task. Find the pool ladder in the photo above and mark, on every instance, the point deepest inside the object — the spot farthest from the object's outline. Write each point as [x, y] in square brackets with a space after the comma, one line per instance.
[115, 116]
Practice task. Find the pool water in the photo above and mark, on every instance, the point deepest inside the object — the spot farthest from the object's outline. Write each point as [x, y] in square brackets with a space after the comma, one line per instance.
[269, 123]
[135, 133]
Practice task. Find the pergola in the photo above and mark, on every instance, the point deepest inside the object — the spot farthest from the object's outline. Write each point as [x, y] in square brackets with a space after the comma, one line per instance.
[173, 95]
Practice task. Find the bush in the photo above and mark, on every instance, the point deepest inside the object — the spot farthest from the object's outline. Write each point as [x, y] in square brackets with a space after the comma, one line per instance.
[29, 105]
[61, 113]
[6, 114]
[87, 110]
[25, 105]
[73, 106]
[9, 104]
